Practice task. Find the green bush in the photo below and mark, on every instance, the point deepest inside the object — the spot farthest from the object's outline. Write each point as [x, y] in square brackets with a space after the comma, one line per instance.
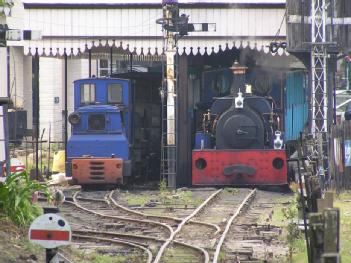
[16, 198]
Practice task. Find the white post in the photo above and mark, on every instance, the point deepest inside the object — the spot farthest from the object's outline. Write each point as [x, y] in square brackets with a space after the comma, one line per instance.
[169, 7]
[3, 93]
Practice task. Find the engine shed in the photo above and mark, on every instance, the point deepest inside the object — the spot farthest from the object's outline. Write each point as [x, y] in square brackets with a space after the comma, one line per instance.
[83, 39]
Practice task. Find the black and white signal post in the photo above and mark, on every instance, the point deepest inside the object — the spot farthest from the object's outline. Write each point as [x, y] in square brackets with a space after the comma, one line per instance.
[174, 26]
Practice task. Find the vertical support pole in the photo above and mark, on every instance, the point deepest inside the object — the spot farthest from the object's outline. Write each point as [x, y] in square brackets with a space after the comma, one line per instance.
[332, 237]
[316, 230]
[330, 89]
[319, 74]
[89, 52]
[6, 138]
[184, 148]
[111, 60]
[5, 117]
[36, 107]
[170, 46]
[131, 62]
[66, 110]
[319, 90]
[50, 253]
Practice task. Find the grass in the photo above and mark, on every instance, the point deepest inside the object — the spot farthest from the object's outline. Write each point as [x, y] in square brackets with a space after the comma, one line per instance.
[164, 197]
[79, 255]
[231, 190]
[96, 258]
[179, 254]
[344, 203]
[14, 243]
[30, 247]
[300, 252]
[278, 219]
[136, 199]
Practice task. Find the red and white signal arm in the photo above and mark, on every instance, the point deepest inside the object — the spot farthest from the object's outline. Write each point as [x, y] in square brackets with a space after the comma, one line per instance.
[50, 231]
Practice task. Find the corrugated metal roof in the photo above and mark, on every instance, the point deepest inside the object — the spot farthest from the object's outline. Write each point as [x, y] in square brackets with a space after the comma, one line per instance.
[135, 29]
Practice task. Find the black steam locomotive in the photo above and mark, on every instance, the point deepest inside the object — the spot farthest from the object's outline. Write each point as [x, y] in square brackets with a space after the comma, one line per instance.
[239, 144]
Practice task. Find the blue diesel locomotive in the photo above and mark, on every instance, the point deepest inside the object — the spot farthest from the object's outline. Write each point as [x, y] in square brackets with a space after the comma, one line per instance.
[98, 149]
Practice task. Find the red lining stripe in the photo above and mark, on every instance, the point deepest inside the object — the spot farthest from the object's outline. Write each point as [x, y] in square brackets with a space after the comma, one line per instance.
[54, 235]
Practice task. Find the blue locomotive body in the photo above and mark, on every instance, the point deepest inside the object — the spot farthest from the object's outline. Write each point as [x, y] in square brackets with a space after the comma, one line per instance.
[100, 132]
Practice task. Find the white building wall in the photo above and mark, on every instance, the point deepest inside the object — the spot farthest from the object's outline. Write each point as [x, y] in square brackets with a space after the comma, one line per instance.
[16, 77]
[77, 69]
[50, 86]
[27, 89]
[3, 93]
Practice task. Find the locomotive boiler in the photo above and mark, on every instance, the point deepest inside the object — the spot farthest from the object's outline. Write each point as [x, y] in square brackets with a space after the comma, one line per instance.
[239, 143]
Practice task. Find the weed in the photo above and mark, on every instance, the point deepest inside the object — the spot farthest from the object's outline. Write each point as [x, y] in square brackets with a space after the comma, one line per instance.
[15, 198]
[232, 190]
[293, 233]
[163, 185]
[222, 257]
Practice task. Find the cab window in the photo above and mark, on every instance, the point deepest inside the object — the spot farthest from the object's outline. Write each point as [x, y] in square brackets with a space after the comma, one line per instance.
[114, 93]
[87, 93]
[96, 122]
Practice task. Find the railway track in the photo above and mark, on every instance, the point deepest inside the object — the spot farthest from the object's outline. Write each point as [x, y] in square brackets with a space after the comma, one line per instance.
[218, 226]
[252, 238]
[221, 204]
[98, 207]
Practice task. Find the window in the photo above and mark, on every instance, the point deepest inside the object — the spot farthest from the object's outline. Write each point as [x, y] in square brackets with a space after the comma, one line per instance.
[96, 122]
[114, 93]
[87, 93]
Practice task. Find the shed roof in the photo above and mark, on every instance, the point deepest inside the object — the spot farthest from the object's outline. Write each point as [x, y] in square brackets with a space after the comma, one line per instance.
[154, 1]
[134, 29]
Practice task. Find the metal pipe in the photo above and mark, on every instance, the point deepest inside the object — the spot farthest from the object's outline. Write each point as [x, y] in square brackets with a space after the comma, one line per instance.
[131, 61]
[41, 151]
[36, 106]
[65, 111]
[89, 52]
[5, 117]
[111, 58]
[49, 152]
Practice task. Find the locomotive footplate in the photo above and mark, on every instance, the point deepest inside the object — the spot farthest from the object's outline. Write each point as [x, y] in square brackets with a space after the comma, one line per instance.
[239, 167]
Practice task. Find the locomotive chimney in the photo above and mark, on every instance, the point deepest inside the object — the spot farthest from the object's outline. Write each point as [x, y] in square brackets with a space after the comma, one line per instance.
[239, 72]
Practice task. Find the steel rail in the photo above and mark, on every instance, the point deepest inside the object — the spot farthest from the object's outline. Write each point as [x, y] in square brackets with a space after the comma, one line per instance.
[229, 223]
[184, 221]
[123, 235]
[146, 250]
[75, 203]
[176, 219]
[90, 199]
